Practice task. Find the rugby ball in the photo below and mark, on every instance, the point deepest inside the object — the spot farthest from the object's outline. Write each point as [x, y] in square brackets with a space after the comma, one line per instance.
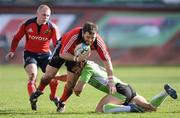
[81, 48]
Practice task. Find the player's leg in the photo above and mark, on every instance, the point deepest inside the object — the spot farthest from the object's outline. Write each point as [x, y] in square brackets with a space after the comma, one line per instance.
[160, 98]
[106, 100]
[156, 100]
[30, 66]
[111, 104]
[62, 78]
[129, 93]
[68, 90]
[143, 103]
[43, 61]
[54, 82]
[31, 70]
[54, 85]
[46, 78]
[69, 86]
[73, 72]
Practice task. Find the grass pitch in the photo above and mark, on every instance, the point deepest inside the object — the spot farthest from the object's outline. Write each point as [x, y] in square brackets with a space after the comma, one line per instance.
[147, 81]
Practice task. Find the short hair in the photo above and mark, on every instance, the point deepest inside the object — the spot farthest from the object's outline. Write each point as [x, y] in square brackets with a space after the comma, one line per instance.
[90, 27]
[43, 6]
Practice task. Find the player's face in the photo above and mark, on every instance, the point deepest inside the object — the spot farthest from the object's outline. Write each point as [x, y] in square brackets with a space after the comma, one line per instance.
[89, 38]
[43, 15]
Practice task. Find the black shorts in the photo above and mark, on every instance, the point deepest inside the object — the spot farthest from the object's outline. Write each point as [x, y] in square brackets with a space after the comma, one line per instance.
[56, 61]
[40, 59]
[71, 66]
[127, 91]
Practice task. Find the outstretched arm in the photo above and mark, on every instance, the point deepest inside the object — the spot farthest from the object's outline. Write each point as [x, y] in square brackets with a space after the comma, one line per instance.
[79, 87]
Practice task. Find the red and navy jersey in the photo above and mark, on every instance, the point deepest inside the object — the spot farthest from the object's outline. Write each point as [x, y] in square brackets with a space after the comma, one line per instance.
[74, 37]
[37, 36]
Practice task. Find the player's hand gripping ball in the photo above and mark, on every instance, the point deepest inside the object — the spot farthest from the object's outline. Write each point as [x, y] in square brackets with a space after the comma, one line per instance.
[82, 48]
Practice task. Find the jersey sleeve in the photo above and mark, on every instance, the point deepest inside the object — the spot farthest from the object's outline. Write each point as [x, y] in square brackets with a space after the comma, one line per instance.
[55, 35]
[68, 41]
[86, 74]
[17, 37]
[102, 49]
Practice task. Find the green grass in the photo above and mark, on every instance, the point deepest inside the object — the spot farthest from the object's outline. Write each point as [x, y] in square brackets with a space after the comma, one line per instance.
[147, 81]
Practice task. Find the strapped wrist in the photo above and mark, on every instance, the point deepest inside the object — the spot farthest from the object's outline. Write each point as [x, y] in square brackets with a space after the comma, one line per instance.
[74, 58]
[77, 59]
[110, 77]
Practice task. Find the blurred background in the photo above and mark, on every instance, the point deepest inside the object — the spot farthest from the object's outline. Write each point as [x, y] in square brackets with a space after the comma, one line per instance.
[137, 32]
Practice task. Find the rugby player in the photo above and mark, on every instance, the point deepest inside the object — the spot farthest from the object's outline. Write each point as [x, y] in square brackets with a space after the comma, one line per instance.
[38, 31]
[65, 53]
[125, 99]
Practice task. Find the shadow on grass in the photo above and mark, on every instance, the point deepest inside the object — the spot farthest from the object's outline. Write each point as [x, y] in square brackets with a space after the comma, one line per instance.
[53, 113]
[28, 112]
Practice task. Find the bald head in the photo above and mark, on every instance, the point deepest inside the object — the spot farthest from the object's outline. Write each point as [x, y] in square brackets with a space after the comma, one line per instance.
[43, 14]
[43, 7]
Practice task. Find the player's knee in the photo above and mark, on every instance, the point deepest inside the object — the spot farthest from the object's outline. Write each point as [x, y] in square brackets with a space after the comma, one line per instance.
[48, 76]
[32, 76]
[46, 79]
[98, 109]
[70, 85]
[68, 90]
[54, 82]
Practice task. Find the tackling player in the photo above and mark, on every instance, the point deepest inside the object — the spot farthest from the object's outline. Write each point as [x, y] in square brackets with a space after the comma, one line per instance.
[120, 101]
[39, 31]
[65, 53]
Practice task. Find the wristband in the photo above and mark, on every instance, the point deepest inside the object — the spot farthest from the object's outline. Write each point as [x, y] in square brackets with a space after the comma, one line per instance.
[110, 77]
[74, 58]
[77, 59]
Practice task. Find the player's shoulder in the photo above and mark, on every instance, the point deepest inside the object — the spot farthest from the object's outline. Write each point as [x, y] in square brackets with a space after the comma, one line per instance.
[52, 25]
[76, 29]
[29, 21]
[99, 38]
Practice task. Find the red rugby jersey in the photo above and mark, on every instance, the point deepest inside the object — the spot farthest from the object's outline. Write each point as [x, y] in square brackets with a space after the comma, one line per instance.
[72, 38]
[37, 37]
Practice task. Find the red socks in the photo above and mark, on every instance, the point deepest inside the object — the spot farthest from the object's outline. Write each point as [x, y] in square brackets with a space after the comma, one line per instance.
[66, 94]
[62, 78]
[41, 86]
[31, 86]
[53, 88]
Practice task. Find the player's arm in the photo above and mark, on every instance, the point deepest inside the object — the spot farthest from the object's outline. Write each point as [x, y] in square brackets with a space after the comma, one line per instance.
[65, 54]
[105, 57]
[79, 87]
[109, 68]
[17, 37]
[86, 75]
[55, 35]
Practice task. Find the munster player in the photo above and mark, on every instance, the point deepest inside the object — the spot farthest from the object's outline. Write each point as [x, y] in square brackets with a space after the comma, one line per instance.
[65, 53]
[38, 31]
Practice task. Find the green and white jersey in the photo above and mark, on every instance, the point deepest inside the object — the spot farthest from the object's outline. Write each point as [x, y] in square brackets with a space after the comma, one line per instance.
[97, 77]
